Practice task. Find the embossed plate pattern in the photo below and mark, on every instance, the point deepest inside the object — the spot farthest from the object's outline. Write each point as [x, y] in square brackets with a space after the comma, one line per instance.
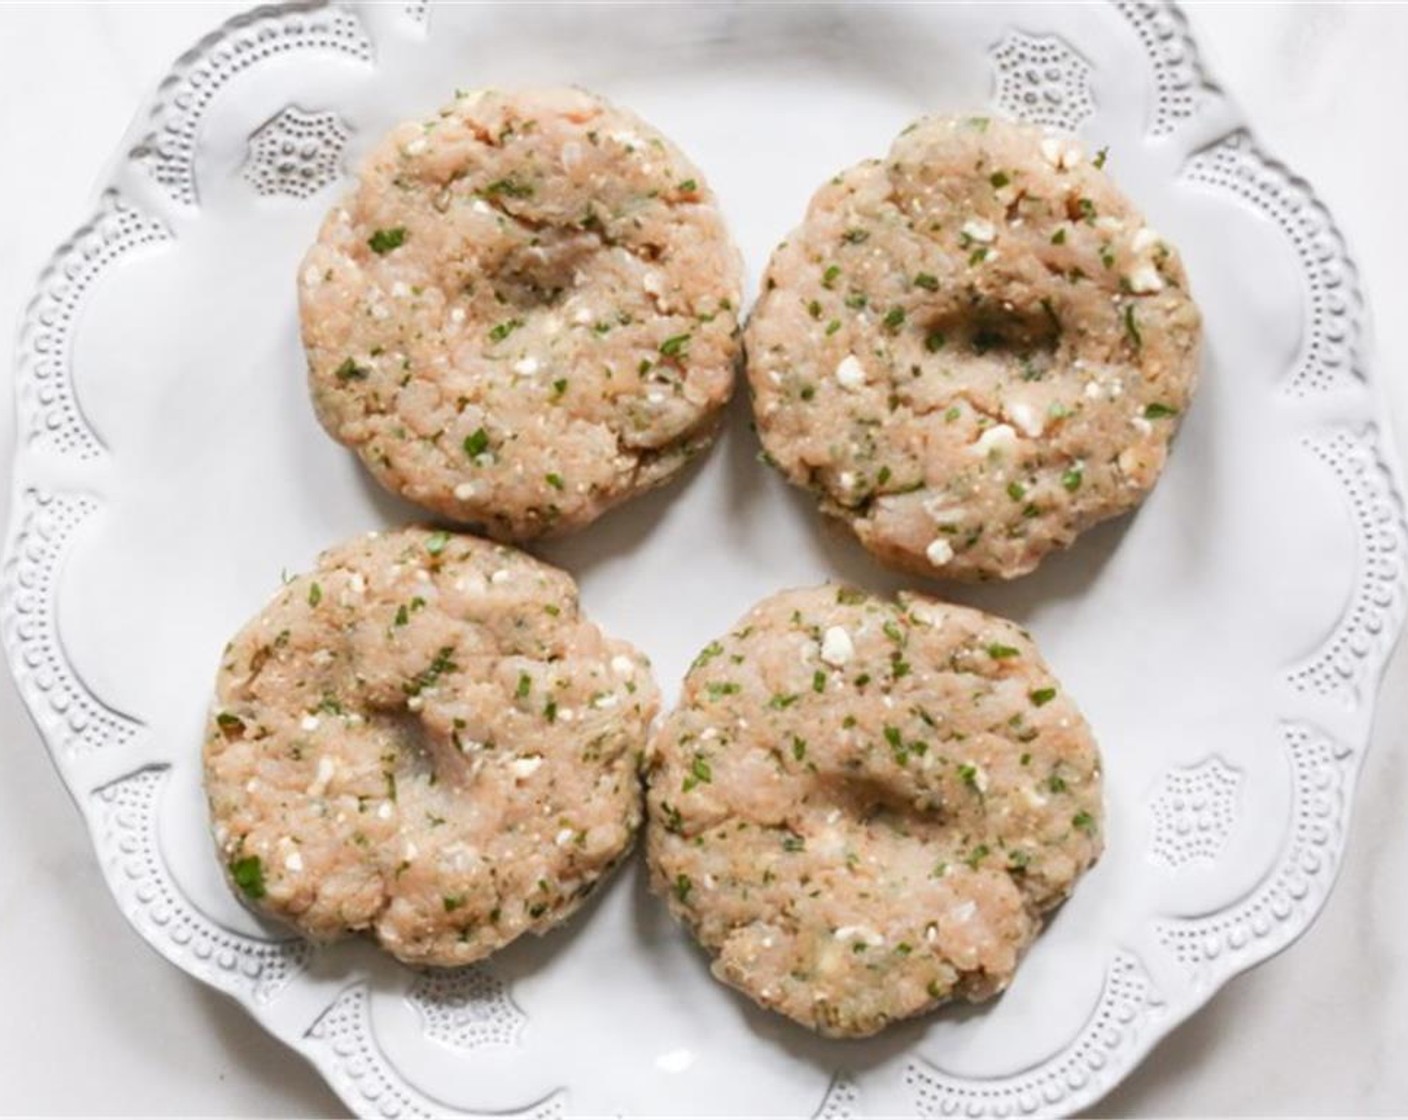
[1226, 642]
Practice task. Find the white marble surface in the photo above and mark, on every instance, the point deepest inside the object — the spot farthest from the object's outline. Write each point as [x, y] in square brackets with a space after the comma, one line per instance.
[95, 1022]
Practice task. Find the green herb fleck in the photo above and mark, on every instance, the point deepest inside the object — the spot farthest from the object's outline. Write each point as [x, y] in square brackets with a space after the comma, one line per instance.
[819, 681]
[1016, 491]
[248, 874]
[828, 278]
[675, 346]
[476, 443]
[689, 186]
[452, 902]
[1085, 822]
[999, 652]
[384, 240]
[525, 685]
[351, 371]
[504, 329]
[436, 542]
[1132, 328]
[1059, 237]
[927, 281]
[855, 236]
[1100, 157]
[1157, 411]
[683, 885]
[553, 479]
[1071, 478]
[894, 318]
[934, 341]
[510, 187]
[315, 594]
[1042, 696]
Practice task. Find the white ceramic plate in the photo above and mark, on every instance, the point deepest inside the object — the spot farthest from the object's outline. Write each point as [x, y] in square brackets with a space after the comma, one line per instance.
[1226, 642]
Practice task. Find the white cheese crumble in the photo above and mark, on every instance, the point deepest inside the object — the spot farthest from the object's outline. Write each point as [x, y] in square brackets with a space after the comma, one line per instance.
[457, 315]
[939, 552]
[563, 837]
[859, 933]
[1060, 154]
[1141, 425]
[1143, 240]
[1026, 417]
[310, 723]
[503, 575]
[1145, 279]
[850, 373]
[293, 861]
[836, 646]
[978, 229]
[998, 438]
[326, 769]
[526, 366]
[623, 666]
[525, 767]
[464, 491]
[417, 146]
[606, 700]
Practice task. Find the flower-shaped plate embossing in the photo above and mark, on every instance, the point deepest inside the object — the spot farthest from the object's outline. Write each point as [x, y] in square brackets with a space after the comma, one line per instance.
[169, 468]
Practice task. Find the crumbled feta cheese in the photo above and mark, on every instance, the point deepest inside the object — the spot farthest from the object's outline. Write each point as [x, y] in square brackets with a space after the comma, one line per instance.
[383, 811]
[1143, 240]
[1141, 425]
[980, 230]
[464, 491]
[1026, 418]
[415, 703]
[582, 316]
[294, 861]
[623, 666]
[1145, 279]
[998, 438]
[310, 723]
[400, 290]
[850, 373]
[526, 366]
[606, 700]
[525, 767]
[457, 315]
[503, 575]
[939, 552]
[564, 837]
[1093, 390]
[1060, 154]
[417, 146]
[846, 480]
[859, 933]
[326, 769]
[836, 646]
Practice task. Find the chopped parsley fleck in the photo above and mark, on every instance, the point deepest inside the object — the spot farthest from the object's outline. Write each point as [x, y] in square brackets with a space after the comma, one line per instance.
[1131, 327]
[436, 543]
[675, 345]
[722, 688]
[476, 443]
[553, 479]
[927, 281]
[403, 615]
[952, 414]
[999, 652]
[1071, 478]
[793, 843]
[976, 856]
[1087, 210]
[683, 885]
[1157, 411]
[510, 187]
[1059, 237]
[783, 700]
[1085, 822]
[934, 341]
[883, 476]
[828, 278]
[558, 388]
[999, 179]
[689, 186]
[1042, 696]
[814, 309]
[452, 902]
[707, 654]
[969, 773]
[384, 240]
[1100, 157]
[550, 710]
[799, 748]
[819, 681]
[1056, 783]
[978, 255]
[501, 331]
[1016, 491]
[977, 124]
[315, 594]
[833, 326]
[855, 236]
[699, 771]
[351, 371]
[525, 685]
[856, 300]
[248, 874]
[894, 318]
